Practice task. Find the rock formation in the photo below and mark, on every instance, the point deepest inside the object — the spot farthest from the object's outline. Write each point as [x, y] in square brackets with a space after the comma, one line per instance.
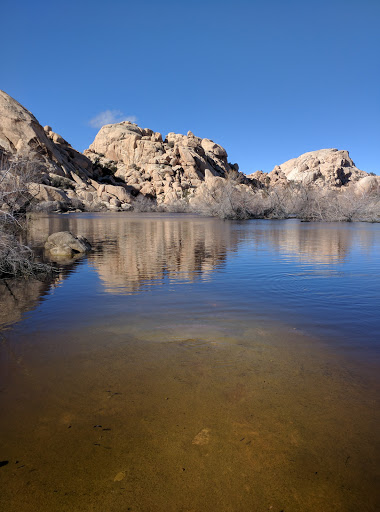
[67, 179]
[126, 161]
[21, 134]
[166, 169]
[325, 167]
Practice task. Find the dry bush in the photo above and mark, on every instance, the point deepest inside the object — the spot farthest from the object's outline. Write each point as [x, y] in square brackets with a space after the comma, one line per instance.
[15, 257]
[144, 204]
[229, 199]
[339, 205]
[16, 173]
[178, 206]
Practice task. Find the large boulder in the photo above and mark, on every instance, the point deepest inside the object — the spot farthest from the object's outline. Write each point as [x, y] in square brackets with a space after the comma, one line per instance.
[64, 244]
[47, 193]
[368, 185]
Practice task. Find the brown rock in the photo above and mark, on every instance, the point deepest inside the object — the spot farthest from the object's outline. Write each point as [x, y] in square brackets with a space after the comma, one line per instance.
[329, 167]
[64, 244]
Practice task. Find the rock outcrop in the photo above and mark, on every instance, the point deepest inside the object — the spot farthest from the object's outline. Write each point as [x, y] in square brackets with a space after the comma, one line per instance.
[126, 161]
[368, 185]
[21, 134]
[325, 167]
[165, 169]
[66, 179]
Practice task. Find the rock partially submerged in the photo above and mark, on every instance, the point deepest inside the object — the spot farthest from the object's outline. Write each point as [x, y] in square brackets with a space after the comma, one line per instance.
[65, 245]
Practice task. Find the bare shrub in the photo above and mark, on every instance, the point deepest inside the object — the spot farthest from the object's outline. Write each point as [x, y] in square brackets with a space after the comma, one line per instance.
[15, 175]
[341, 205]
[229, 199]
[178, 206]
[16, 259]
[144, 204]
[49, 206]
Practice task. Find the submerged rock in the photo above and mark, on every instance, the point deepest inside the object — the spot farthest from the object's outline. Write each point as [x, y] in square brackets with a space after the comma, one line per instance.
[65, 245]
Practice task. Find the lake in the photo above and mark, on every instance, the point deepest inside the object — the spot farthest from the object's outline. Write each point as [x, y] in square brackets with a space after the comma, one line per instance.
[190, 364]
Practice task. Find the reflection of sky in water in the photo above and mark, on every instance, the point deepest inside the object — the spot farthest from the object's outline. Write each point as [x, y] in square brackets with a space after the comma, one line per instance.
[154, 271]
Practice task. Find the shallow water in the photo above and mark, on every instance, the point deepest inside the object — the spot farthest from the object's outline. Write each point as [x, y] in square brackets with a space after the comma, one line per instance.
[190, 364]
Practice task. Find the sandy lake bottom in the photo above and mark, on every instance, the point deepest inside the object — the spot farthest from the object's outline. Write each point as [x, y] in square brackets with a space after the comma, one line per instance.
[190, 365]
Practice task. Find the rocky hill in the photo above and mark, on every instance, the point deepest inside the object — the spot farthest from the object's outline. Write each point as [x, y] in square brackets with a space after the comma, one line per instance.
[325, 167]
[126, 162]
[165, 169]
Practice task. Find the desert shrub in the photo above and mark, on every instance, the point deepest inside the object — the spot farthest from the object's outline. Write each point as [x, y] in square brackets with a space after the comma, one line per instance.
[105, 169]
[61, 182]
[48, 206]
[229, 199]
[95, 206]
[16, 259]
[178, 206]
[144, 204]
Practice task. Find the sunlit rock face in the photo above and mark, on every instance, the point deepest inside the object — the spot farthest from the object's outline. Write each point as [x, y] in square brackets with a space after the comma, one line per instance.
[64, 177]
[22, 134]
[368, 185]
[323, 168]
[166, 169]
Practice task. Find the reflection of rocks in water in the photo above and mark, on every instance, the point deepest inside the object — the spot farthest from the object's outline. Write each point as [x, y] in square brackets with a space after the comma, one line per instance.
[135, 249]
[317, 243]
[18, 296]
[148, 250]
[132, 250]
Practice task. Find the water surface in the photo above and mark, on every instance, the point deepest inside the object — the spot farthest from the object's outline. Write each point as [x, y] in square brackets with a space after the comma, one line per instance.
[191, 364]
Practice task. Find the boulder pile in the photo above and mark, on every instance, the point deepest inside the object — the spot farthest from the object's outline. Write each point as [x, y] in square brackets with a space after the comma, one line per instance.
[164, 169]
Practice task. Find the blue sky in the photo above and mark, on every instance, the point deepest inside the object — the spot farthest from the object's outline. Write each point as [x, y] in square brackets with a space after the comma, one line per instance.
[268, 80]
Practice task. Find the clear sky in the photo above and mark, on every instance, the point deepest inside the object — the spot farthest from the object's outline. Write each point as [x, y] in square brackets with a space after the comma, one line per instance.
[268, 80]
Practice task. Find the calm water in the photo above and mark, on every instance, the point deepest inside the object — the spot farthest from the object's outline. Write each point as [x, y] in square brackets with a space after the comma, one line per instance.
[191, 364]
